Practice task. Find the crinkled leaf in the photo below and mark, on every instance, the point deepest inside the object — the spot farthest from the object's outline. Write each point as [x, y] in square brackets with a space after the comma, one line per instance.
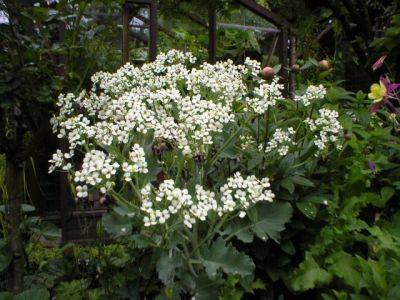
[33, 294]
[166, 266]
[308, 275]
[265, 220]
[227, 258]
[207, 288]
[116, 225]
[343, 265]
[268, 219]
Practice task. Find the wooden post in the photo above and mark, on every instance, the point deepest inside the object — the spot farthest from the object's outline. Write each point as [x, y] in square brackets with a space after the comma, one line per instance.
[153, 30]
[14, 183]
[292, 62]
[125, 33]
[212, 34]
[283, 56]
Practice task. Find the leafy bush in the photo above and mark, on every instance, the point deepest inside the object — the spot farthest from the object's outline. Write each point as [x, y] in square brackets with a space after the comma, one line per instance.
[173, 143]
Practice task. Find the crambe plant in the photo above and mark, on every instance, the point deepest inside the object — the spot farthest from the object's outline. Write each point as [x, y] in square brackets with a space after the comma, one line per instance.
[186, 152]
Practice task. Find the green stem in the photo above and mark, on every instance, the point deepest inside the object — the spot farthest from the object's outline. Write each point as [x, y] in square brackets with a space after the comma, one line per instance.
[266, 128]
[211, 232]
[120, 199]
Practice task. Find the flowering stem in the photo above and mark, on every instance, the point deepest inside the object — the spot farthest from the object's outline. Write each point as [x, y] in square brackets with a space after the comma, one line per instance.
[122, 200]
[266, 128]
[210, 233]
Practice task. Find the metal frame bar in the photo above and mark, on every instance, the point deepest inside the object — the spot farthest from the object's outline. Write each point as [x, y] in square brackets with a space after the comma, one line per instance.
[248, 27]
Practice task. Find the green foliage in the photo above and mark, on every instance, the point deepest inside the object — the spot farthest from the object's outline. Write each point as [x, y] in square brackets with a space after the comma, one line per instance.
[226, 257]
[356, 255]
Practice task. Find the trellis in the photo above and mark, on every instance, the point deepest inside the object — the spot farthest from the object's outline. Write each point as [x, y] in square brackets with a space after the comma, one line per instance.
[284, 36]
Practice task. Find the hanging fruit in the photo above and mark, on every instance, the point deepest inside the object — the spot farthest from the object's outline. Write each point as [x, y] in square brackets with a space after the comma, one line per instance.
[324, 65]
[268, 73]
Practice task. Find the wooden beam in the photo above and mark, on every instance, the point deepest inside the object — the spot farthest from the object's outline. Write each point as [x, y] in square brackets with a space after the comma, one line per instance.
[264, 13]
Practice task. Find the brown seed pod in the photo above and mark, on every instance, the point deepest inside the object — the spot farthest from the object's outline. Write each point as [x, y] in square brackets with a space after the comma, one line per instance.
[296, 68]
[159, 146]
[348, 136]
[324, 65]
[268, 73]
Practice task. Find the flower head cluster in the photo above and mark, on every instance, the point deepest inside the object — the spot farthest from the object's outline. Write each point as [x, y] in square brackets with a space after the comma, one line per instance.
[137, 163]
[167, 98]
[312, 93]
[58, 161]
[98, 169]
[238, 194]
[168, 198]
[281, 141]
[265, 96]
[326, 128]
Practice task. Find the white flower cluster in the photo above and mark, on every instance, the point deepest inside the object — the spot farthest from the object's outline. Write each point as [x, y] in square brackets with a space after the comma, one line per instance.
[326, 128]
[265, 96]
[312, 93]
[238, 194]
[253, 66]
[58, 161]
[97, 169]
[137, 163]
[168, 196]
[168, 98]
[281, 141]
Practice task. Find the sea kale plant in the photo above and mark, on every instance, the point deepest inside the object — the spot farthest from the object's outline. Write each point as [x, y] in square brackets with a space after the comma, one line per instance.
[198, 160]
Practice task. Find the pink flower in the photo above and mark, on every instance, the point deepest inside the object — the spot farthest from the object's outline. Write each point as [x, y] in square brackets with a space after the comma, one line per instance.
[378, 63]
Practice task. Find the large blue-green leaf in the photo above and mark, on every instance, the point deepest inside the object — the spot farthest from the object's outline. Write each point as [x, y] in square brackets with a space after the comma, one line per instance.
[224, 256]
[265, 220]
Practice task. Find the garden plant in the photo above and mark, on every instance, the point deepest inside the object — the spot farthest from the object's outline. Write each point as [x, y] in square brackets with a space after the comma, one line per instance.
[199, 180]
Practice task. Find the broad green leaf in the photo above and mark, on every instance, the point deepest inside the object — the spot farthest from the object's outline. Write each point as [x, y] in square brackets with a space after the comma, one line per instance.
[33, 294]
[116, 225]
[300, 180]
[74, 289]
[166, 266]
[308, 209]
[265, 220]
[343, 265]
[308, 275]
[387, 193]
[46, 229]
[268, 219]
[207, 288]
[287, 183]
[143, 241]
[239, 228]
[227, 258]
